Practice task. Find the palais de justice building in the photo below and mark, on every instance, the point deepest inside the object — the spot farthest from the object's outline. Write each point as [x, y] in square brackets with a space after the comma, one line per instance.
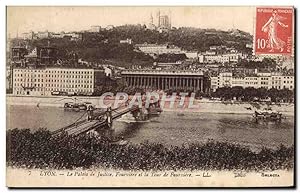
[163, 80]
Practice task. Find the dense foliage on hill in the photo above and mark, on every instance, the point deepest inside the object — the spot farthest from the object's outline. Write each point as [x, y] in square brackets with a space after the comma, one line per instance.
[41, 150]
[185, 37]
[264, 64]
[249, 93]
[105, 45]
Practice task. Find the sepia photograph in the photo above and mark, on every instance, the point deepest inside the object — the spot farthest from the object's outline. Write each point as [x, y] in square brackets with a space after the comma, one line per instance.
[150, 96]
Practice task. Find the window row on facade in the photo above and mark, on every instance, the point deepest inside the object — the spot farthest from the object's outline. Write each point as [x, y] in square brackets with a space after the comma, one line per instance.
[51, 80]
[69, 71]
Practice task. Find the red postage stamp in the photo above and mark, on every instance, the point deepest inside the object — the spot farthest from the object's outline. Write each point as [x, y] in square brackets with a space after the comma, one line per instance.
[274, 30]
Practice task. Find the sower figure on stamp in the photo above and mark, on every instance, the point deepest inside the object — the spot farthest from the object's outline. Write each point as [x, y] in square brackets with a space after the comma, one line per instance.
[271, 28]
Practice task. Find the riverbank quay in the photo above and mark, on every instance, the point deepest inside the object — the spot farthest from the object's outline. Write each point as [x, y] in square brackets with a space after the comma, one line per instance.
[196, 105]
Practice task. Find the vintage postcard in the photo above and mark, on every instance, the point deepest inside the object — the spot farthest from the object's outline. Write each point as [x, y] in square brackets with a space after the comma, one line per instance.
[150, 96]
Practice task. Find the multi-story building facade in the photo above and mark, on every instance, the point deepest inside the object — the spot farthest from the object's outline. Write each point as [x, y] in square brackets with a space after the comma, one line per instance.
[287, 81]
[28, 36]
[74, 36]
[257, 80]
[251, 81]
[95, 28]
[214, 83]
[225, 79]
[220, 58]
[45, 81]
[238, 81]
[43, 35]
[158, 49]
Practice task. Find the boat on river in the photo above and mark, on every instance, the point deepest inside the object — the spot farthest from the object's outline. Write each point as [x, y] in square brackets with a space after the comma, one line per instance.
[267, 115]
[78, 106]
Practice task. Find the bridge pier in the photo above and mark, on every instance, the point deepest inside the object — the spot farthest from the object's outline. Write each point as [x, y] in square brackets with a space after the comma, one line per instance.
[140, 114]
[109, 120]
[109, 123]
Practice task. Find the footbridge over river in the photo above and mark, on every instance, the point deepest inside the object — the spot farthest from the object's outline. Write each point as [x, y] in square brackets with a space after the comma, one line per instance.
[94, 121]
[103, 119]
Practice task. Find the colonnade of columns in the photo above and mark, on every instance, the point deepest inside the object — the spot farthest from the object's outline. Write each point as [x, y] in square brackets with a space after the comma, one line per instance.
[165, 82]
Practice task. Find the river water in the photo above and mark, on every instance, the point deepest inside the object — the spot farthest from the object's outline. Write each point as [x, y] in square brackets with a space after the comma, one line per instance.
[170, 128]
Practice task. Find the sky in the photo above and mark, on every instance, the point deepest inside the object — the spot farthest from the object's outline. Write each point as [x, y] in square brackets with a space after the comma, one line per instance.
[57, 19]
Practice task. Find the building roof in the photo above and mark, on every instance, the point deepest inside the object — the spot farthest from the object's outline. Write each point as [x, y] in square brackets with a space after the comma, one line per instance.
[161, 72]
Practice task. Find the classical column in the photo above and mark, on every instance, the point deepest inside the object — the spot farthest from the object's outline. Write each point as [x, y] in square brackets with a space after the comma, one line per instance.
[159, 83]
[151, 81]
[181, 82]
[166, 83]
[186, 82]
[198, 83]
[186, 85]
[141, 82]
[134, 80]
[147, 81]
[173, 82]
[202, 84]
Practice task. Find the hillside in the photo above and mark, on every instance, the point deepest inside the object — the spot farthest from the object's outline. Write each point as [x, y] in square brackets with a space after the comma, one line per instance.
[105, 45]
